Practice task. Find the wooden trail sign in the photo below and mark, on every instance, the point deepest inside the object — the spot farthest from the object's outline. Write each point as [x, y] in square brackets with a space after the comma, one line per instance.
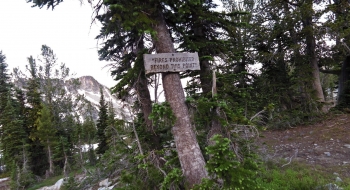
[171, 62]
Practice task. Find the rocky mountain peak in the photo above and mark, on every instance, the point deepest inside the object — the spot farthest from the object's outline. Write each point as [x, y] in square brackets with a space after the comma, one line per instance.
[89, 83]
[89, 88]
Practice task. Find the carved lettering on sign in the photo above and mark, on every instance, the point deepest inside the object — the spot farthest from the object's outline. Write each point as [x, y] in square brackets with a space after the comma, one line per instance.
[171, 62]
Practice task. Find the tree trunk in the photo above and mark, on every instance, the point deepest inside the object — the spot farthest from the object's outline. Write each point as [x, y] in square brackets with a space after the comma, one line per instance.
[204, 75]
[51, 167]
[190, 155]
[80, 155]
[215, 127]
[343, 89]
[145, 100]
[205, 72]
[343, 85]
[311, 50]
[144, 97]
[208, 82]
[65, 173]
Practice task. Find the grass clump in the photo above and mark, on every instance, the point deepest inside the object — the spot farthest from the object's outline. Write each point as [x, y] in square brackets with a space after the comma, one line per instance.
[296, 176]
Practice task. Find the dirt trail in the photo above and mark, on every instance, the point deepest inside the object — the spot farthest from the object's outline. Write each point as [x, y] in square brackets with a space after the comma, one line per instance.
[325, 144]
[4, 183]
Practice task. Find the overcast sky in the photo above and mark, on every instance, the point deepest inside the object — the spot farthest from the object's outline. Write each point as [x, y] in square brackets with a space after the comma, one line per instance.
[67, 30]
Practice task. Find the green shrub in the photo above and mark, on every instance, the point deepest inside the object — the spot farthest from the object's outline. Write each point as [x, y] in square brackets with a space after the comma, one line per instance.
[226, 171]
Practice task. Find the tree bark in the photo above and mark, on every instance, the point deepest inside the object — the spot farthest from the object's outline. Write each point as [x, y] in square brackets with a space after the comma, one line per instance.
[343, 85]
[51, 169]
[205, 71]
[204, 75]
[144, 97]
[65, 173]
[343, 88]
[190, 156]
[145, 100]
[311, 50]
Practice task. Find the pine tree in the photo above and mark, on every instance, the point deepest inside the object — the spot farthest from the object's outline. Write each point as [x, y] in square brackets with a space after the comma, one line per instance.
[13, 138]
[4, 82]
[13, 133]
[126, 47]
[46, 133]
[338, 28]
[48, 3]
[110, 130]
[89, 133]
[45, 87]
[102, 123]
[62, 152]
[139, 17]
[199, 28]
[38, 157]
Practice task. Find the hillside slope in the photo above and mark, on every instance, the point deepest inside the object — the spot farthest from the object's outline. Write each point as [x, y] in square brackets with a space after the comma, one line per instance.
[324, 145]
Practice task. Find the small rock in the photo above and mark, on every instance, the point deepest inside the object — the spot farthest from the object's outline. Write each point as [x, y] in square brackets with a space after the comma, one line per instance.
[57, 186]
[338, 179]
[331, 186]
[315, 144]
[331, 139]
[104, 183]
[347, 145]
[335, 173]
[327, 153]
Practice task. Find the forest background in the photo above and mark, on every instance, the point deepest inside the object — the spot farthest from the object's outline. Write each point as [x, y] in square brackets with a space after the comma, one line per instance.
[202, 141]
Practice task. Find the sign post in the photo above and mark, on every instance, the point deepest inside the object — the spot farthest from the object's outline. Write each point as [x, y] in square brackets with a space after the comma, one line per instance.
[171, 62]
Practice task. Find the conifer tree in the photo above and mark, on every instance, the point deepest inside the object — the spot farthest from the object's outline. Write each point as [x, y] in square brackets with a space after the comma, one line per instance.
[14, 131]
[13, 137]
[62, 151]
[110, 122]
[46, 133]
[338, 28]
[126, 49]
[48, 3]
[38, 157]
[50, 81]
[102, 123]
[4, 82]
[197, 25]
[89, 133]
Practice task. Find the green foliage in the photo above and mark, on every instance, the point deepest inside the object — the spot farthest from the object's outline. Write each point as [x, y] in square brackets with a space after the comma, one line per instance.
[162, 116]
[61, 152]
[294, 176]
[288, 179]
[48, 3]
[226, 170]
[172, 179]
[102, 124]
[290, 94]
[13, 138]
[229, 116]
[21, 177]
[4, 82]
[277, 34]
[45, 130]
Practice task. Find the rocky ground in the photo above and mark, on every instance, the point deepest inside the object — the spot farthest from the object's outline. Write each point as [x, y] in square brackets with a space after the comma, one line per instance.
[324, 145]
